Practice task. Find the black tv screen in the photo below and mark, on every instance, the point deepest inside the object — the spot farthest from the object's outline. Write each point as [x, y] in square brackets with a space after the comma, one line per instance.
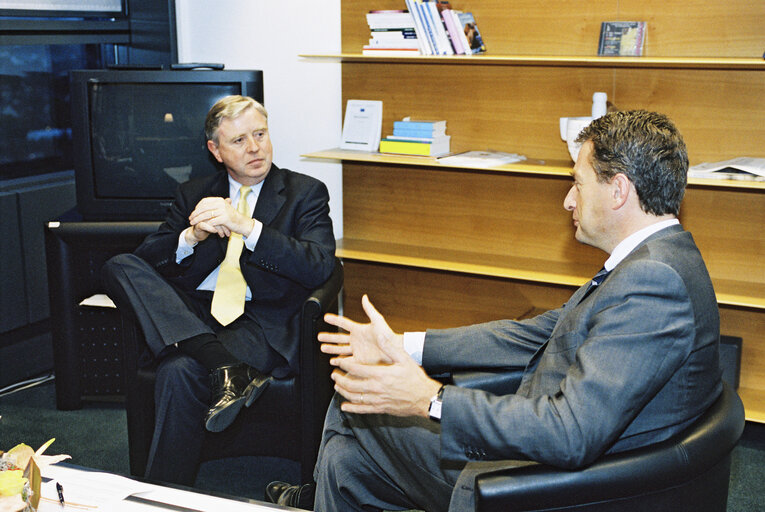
[138, 134]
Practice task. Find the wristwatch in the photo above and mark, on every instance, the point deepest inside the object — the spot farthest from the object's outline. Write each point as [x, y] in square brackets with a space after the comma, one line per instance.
[434, 411]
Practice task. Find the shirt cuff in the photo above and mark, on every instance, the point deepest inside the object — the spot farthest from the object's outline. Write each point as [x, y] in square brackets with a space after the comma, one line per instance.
[184, 250]
[252, 239]
[414, 342]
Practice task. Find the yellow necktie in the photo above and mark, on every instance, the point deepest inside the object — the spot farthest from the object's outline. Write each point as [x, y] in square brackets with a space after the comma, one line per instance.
[230, 289]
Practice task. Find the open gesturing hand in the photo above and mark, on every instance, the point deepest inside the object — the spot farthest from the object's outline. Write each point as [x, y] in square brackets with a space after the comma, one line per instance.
[368, 343]
[373, 372]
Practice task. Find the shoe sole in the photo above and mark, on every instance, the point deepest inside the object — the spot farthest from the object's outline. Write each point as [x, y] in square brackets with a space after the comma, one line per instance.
[253, 390]
[225, 417]
[222, 419]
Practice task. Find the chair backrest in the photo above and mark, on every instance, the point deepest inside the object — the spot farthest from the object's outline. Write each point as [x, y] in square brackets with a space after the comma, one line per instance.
[687, 472]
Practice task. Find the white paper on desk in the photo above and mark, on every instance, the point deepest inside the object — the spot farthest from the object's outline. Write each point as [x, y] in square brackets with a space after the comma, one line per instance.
[86, 490]
[362, 126]
[196, 501]
[98, 300]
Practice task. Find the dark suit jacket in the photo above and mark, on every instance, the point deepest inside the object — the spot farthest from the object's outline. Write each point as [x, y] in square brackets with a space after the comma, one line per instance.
[294, 254]
[630, 364]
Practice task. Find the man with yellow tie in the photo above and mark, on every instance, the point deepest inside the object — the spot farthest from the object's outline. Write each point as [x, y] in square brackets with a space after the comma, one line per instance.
[216, 290]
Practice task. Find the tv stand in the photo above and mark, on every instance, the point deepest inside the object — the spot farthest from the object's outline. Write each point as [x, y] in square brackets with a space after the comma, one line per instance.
[87, 341]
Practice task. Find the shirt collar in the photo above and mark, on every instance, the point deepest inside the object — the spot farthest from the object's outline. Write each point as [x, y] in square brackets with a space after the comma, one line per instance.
[234, 186]
[628, 244]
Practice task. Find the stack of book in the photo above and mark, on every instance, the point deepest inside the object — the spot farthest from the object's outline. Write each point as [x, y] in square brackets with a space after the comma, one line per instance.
[442, 30]
[392, 33]
[426, 138]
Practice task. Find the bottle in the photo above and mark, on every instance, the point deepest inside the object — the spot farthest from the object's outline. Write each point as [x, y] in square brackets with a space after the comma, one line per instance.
[599, 104]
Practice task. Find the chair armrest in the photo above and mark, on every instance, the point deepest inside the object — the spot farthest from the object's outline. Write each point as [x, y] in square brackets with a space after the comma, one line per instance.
[620, 476]
[499, 382]
[325, 296]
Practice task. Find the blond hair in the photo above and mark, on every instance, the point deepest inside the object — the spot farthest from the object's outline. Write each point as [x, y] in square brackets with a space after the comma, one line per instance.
[229, 108]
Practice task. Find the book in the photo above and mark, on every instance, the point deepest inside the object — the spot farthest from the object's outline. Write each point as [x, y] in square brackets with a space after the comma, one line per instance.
[362, 125]
[472, 37]
[414, 147]
[422, 37]
[741, 168]
[393, 33]
[444, 44]
[436, 127]
[389, 19]
[451, 22]
[422, 11]
[381, 51]
[438, 139]
[621, 38]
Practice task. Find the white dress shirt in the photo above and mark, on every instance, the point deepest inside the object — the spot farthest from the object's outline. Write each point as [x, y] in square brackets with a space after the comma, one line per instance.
[185, 250]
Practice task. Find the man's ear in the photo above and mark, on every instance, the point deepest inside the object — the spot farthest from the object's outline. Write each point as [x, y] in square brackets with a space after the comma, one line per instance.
[213, 147]
[621, 188]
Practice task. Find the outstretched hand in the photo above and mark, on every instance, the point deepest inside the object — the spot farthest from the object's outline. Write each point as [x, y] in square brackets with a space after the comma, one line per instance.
[373, 371]
[368, 343]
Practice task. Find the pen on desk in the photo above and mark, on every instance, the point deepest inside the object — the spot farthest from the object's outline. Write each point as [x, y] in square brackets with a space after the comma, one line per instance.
[60, 489]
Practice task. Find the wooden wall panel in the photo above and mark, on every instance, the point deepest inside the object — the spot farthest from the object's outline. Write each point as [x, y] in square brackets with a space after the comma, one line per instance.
[749, 325]
[416, 299]
[728, 228]
[479, 212]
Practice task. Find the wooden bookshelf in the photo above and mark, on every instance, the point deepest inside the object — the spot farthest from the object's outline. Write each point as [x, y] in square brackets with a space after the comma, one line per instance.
[725, 63]
[438, 246]
[530, 166]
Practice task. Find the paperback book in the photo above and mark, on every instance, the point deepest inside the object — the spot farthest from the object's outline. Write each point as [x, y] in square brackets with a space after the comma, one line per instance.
[622, 38]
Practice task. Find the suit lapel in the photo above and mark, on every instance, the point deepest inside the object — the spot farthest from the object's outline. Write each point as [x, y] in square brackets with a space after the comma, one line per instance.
[271, 198]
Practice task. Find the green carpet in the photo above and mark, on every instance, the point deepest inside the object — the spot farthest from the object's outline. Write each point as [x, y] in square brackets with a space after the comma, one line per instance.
[96, 437]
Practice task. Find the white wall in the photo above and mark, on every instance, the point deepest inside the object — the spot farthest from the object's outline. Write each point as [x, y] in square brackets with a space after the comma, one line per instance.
[303, 98]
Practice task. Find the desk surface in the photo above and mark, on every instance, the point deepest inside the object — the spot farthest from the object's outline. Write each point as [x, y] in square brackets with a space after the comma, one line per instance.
[88, 490]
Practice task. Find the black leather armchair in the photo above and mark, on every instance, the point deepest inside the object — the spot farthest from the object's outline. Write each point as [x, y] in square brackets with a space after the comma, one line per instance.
[286, 421]
[690, 471]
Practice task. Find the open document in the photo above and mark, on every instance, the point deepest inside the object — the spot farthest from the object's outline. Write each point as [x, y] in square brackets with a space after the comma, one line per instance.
[741, 168]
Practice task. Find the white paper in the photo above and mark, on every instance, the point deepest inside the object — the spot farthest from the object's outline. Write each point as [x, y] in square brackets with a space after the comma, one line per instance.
[482, 159]
[86, 490]
[99, 300]
[749, 169]
[362, 127]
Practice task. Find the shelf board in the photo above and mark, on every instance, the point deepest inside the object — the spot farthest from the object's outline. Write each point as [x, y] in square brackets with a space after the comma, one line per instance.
[729, 292]
[493, 265]
[541, 167]
[754, 404]
[727, 63]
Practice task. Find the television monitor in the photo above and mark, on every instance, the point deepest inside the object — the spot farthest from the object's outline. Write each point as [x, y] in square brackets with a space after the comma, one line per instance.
[138, 134]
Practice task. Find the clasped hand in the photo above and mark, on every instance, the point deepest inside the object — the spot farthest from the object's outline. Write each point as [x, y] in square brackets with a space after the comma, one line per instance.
[217, 215]
[372, 371]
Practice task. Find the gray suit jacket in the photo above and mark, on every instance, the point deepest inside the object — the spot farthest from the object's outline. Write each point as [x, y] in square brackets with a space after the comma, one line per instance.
[628, 364]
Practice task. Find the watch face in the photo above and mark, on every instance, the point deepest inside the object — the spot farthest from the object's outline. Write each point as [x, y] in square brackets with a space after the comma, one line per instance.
[435, 408]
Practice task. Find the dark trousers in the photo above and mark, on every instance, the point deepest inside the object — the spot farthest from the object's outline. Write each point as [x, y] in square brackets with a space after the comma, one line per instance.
[167, 315]
[380, 462]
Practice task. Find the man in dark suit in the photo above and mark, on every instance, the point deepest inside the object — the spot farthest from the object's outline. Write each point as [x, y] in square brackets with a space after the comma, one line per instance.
[629, 360]
[216, 290]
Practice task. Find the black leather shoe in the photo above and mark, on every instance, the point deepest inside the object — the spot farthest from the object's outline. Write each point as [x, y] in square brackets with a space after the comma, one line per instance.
[298, 496]
[232, 387]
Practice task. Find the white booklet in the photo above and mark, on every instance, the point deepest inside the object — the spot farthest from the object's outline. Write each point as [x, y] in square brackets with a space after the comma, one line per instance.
[362, 126]
[741, 168]
[487, 158]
